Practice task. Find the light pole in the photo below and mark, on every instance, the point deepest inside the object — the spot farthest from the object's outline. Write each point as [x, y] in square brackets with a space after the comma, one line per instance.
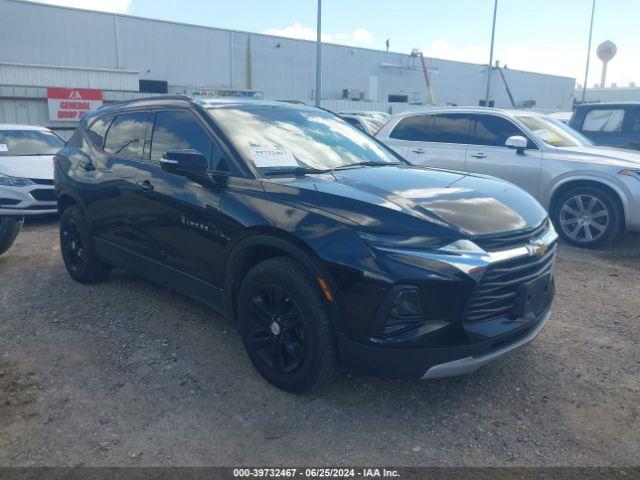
[493, 35]
[319, 55]
[586, 73]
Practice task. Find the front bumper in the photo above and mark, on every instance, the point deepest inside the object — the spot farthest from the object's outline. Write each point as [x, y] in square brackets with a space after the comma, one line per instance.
[428, 363]
[469, 364]
[478, 305]
[38, 199]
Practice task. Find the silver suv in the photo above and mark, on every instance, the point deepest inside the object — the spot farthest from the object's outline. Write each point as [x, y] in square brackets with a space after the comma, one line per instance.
[592, 193]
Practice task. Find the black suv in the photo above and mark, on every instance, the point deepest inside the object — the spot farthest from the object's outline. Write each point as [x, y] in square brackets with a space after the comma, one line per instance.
[323, 245]
[615, 124]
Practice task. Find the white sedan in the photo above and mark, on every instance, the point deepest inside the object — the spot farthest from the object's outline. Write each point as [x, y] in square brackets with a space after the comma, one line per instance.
[26, 170]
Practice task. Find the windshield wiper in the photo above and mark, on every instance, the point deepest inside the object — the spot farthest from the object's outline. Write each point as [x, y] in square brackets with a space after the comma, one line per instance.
[297, 171]
[367, 164]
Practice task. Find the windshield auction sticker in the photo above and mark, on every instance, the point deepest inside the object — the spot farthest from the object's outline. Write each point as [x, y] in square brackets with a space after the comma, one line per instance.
[3, 147]
[265, 157]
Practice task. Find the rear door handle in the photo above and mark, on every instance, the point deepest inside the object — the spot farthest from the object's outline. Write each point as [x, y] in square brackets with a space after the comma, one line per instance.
[145, 185]
[419, 151]
[479, 155]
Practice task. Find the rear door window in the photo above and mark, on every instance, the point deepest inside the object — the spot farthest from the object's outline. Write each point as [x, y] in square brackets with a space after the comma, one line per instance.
[603, 120]
[126, 135]
[493, 130]
[440, 128]
[181, 130]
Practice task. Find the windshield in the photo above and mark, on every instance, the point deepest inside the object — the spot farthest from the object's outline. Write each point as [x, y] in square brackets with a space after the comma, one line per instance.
[553, 132]
[29, 142]
[285, 137]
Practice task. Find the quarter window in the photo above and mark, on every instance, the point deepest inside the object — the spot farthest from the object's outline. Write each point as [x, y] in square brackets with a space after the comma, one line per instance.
[603, 120]
[492, 130]
[98, 129]
[180, 130]
[126, 134]
[442, 128]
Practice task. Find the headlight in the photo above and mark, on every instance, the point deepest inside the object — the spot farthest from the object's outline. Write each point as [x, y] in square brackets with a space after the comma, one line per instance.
[7, 181]
[408, 242]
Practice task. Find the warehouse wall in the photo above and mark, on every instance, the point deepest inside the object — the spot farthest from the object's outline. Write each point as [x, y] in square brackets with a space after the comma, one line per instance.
[281, 68]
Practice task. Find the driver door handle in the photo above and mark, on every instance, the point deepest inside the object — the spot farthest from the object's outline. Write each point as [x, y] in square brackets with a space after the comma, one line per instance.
[145, 185]
[479, 155]
[419, 151]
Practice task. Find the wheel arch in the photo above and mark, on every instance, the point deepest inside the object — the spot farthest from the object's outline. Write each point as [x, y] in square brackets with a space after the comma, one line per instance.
[263, 245]
[570, 183]
[67, 199]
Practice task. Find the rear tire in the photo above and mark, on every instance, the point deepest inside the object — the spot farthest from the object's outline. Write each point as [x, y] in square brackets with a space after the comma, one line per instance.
[9, 229]
[286, 327]
[588, 217]
[78, 249]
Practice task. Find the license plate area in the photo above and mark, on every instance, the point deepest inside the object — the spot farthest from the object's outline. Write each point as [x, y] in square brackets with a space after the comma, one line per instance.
[535, 296]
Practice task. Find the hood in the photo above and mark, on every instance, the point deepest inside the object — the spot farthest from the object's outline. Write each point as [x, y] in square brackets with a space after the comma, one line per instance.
[401, 198]
[37, 166]
[602, 155]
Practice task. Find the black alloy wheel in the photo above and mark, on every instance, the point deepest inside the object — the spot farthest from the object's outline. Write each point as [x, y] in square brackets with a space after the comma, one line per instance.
[286, 326]
[276, 329]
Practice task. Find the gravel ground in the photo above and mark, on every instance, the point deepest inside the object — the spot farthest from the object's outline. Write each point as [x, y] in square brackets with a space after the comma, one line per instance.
[128, 373]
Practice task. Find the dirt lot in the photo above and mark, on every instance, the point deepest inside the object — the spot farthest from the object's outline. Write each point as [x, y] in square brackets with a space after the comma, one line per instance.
[128, 373]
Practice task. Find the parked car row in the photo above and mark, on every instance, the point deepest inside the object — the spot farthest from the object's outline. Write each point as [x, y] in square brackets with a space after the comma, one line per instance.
[420, 253]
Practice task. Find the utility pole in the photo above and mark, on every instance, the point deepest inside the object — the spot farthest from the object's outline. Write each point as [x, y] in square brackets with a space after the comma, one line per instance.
[493, 35]
[319, 56]
[586, 73]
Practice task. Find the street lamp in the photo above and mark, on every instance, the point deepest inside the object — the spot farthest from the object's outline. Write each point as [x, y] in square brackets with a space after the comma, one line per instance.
[493, 34]
[586, 73]
[319, 55]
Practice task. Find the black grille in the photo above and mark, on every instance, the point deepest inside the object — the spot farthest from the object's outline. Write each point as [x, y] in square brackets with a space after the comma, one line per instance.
[496, 295]
[511, 239]
[42, 181]
[43, 195]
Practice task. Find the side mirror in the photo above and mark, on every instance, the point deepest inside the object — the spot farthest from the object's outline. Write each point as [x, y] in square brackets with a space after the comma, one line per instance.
[184, 162]
[516, 141]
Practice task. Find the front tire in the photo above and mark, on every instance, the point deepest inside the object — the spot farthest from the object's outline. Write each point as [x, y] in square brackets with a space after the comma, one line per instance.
[285, 326]
[78, 249]
[9, 229]
[588, 217]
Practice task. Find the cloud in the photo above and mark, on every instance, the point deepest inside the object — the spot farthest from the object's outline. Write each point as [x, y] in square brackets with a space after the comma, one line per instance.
[359, 37]
[298, 31]
[555, 59]
[113, 6]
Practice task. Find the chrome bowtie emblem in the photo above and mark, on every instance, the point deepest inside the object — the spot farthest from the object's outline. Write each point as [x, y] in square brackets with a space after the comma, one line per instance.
[537, 248]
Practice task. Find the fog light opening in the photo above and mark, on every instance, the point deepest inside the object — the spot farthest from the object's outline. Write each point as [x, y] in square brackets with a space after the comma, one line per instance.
[406, 304]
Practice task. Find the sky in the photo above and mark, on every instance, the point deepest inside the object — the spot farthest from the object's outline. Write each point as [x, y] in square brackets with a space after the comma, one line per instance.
[547, 36]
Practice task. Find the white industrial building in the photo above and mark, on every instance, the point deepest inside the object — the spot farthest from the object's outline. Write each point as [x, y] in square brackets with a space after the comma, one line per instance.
[121, 56]
[614, 93]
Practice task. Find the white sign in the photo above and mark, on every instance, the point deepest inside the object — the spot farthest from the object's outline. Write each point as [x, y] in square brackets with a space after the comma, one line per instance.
[3, 147]
[69, 104]
[272, 157]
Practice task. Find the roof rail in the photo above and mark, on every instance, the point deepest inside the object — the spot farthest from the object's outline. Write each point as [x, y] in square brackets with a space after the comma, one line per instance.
[155, 97]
